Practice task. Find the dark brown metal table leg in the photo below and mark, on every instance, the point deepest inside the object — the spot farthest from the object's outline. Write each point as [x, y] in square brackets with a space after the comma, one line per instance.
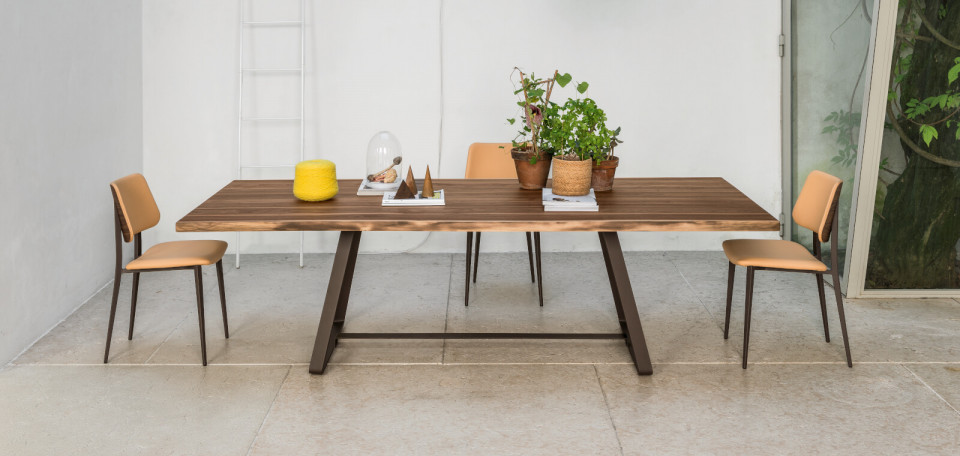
[616, 299]
[620, 282]
[338, 290]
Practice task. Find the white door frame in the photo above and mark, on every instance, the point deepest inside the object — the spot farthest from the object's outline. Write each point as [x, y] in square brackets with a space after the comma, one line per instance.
[868, 162]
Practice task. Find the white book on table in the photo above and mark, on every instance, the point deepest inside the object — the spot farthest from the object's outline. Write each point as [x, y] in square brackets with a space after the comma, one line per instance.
[571, 208]
[555, 202]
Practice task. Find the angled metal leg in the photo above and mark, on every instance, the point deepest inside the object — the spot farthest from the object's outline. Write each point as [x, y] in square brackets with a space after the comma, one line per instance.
[726, 322]
[344, 296]
[223, 299]
[530, 255]
[336, 297]
[476, 257]
[466, 283]
[203, 334]
[843, 320]
[610, 242]
[746, 318]
[133, 303]
[536, 241]
[616, 298]
[113, 312]
[823, 306]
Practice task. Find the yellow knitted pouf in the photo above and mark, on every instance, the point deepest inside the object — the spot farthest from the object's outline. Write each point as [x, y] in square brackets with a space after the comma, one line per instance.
[315, 180]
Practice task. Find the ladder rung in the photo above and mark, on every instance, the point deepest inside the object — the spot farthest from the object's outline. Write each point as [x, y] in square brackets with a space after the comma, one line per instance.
[273, 23]
[256, 119]
[266, 166]
[253, 70]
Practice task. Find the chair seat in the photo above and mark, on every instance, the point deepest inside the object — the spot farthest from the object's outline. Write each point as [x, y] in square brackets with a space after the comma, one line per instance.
[177, 254]
[771, 253]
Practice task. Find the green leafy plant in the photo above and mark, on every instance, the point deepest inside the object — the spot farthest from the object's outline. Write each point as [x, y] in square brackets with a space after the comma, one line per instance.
[580, 132]
[536, 111]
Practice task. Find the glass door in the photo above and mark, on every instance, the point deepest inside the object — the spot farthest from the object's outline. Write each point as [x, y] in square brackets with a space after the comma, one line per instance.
[915, 234]
[828, 54]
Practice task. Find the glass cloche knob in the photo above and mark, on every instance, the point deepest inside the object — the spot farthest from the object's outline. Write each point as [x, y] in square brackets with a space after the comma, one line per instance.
[383, 160]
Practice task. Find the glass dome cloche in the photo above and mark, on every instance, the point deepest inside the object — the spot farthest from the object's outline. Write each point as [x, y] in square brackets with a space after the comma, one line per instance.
[383, 161]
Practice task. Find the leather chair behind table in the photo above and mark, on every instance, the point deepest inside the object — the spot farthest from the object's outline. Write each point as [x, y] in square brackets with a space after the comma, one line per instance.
[493, 161]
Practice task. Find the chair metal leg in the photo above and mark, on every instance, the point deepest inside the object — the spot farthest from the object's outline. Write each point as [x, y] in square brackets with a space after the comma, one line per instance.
[223, 299]
[133, 304]
[843, 320]
[746, 318]
[823, 306]
[530, 256]
[203, 336]
[536, 241]
[476, 258]
[726, 321]
[113, 313]
[466, 283]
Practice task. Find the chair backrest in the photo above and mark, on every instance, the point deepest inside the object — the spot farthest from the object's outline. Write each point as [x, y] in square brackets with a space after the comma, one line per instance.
[490, 161]
[135, 205]
[817, 204]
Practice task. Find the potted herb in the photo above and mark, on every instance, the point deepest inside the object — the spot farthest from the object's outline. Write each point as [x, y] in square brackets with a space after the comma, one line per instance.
[583, 140]
[605, 165]
[531, 153]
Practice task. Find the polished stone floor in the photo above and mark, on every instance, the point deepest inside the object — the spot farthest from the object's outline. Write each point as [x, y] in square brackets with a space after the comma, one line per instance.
[488, 396]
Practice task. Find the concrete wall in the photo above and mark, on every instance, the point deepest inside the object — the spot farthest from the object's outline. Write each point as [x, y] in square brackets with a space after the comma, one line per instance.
[694, 84]
[70, 122]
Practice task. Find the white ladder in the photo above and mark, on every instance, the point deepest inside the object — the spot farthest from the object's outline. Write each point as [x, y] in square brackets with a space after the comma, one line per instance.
[246, 25]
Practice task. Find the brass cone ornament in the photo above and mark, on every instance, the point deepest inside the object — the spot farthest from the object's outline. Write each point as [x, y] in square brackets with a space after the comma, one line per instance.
[403, 192]
[411, 182]
[428, 185]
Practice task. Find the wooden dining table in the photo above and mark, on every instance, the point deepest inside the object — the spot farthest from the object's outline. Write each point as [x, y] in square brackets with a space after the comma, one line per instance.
[475, 205]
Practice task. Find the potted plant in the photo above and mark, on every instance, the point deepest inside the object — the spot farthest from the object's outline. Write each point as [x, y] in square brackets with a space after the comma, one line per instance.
[605, 165]
[581, 134]
[531, 153]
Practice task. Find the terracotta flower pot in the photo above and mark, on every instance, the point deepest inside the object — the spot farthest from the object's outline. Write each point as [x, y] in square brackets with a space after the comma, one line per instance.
[603, 174]
[531, 177]
[572, 177]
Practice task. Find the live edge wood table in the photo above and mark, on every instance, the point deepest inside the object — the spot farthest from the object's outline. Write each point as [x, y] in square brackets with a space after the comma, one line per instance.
[635, 204]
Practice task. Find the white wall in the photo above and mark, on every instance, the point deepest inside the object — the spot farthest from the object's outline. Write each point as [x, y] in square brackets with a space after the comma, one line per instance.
[70, 122]
[694, 84]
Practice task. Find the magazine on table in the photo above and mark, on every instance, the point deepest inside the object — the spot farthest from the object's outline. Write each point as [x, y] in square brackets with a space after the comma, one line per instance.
[553, 202]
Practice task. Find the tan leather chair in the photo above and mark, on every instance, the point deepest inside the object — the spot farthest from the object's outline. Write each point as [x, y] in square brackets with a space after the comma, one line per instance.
[493, 161]
[135, 211]
[816, 209]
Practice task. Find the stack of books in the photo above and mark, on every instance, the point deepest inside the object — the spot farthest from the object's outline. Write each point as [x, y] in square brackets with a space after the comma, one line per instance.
[585, 203]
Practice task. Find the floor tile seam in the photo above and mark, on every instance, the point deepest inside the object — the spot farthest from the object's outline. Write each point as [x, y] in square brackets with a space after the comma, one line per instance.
[606, 404]
[571, 363]
[55, 325]
[713, 317]
[931, 389]
[446, 315]
[269, 409]
[165, 339]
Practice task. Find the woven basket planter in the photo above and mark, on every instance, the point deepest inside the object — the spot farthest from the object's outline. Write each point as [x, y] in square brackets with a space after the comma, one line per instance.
[572, 177]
